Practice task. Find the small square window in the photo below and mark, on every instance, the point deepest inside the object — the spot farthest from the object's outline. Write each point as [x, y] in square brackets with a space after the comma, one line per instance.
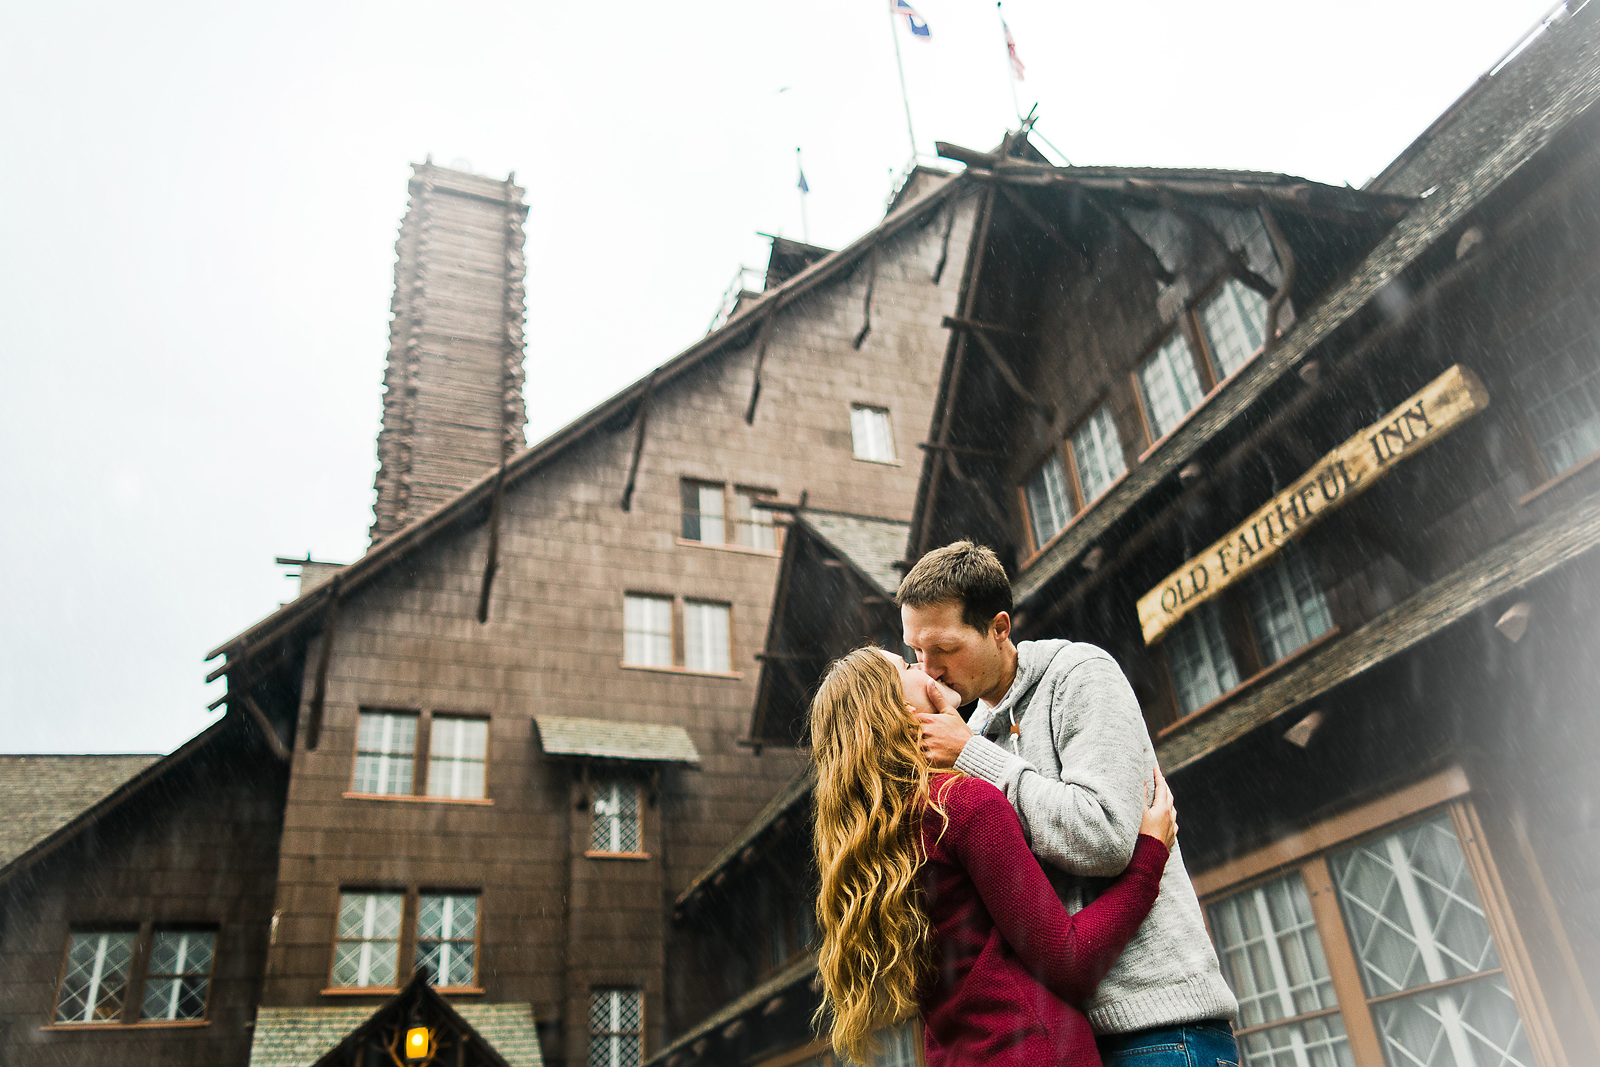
[386, 746]
[447, 938]
[647, 631]
[871, 434]
[706, 640]
[179, 977]
[1097, 455]
[456, 755]
[95, 980]
[1169, 385]
[1049, 506]
[616, 1025]
[366, 949]
[703, 512]
[616, 818]
[1235, 324]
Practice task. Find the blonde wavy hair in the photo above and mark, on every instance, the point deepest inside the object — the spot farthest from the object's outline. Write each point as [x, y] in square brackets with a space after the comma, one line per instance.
[872, 788]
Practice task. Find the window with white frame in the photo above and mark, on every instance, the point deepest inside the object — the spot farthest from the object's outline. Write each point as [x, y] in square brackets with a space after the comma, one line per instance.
[447, 938]
[457, 751]
[1234, 320]
[1286, 605]
[753, 525]
[366, 949]
[386, 750]
[715, 515]
[1169, 385]
[616, 819]
[1097, 455]
[178, 978]
[704, 512]
[706, 637]
[94, 981]
[1049, 505]
[616, 1027]
[647, 630]
[1197, 655]
[1557, 380]
[870, 433]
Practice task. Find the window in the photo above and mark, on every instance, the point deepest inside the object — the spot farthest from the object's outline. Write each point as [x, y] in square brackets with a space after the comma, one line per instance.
[752, 524]
[447, 938]
[1376, 949]
[385, 752]
[900, 1045]
[1169, 385]
[616, 1023]
[647, 631]
[1272, 957]
[1097, 455]
[703, 512]
[95, 980]
[1048, 505]
[1286, 605]
[366, 952]
[1197, 654]
[705, 637]
[1235, 325]
[616, 819]
[179, 976]
[456, 754]
[870, 433]
[1557, 380]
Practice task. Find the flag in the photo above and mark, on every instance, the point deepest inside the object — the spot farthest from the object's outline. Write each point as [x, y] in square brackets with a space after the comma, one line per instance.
[1011, 51]
[804, 188]
[917, 24]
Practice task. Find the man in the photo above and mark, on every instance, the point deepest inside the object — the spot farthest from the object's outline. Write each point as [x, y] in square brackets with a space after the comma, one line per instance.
[1058, 729]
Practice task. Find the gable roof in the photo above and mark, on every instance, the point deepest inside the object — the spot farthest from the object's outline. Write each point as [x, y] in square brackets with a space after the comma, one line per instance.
[471, 505]
[874, 546]
[41, 794]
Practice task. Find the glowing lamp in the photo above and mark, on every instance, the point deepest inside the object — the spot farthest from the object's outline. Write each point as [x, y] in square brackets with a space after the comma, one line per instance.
[419, 1044]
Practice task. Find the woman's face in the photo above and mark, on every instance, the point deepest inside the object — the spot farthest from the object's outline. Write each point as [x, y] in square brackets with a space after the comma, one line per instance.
[916, 684]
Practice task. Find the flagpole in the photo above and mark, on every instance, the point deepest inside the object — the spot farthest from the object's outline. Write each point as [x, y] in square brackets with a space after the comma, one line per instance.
[805, 225]
[894, 31]
[1011, 75]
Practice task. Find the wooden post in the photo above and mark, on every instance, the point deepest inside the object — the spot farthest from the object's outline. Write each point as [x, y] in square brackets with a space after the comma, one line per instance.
[492, 563]
[762, 340]
[640, 423]
[319, 692]
[866, 310]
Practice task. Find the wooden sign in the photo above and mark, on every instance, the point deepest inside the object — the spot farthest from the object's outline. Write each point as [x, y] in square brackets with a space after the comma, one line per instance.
[1333, 481]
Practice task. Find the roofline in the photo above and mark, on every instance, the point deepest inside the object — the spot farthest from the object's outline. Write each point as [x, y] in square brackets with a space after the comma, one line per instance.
[845, 557]
[109, 803]
[793, 792]
[797, 971]
[416, 987]
[407, 539]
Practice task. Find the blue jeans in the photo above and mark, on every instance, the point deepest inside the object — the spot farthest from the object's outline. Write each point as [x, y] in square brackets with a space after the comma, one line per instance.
[1207, 1044]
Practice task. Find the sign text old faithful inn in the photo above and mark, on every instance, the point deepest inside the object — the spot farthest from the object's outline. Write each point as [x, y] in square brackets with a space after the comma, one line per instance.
[1333, 481]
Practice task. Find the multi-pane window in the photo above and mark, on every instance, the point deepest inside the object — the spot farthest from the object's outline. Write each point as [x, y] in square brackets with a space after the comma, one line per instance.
[1169, 385]
[714, 515]
[704, 511]
[1097, 455]
[1271, 955]
[179, 976]
[752, 523]
[1049, 507]
[366, 952]
[95, 980]
[386, 746]
[647, 631]
[457, 750]
[1198, 656]
[706, 638]
[1286, 605]
[1235, 325]
[447, 938]
[871, 434]
[616, 1024]
[616, 819]
[1557, 381]
[1416, 924]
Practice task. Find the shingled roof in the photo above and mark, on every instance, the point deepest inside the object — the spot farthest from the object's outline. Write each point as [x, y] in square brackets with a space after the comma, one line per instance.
[607, 739]
[874, 546]
[299, 1037]
[41, 794]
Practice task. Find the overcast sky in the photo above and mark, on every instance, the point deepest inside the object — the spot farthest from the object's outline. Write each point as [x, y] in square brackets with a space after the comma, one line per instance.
[199, 213]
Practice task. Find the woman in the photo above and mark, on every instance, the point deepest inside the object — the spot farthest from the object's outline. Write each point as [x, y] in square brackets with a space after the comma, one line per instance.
[930, 900]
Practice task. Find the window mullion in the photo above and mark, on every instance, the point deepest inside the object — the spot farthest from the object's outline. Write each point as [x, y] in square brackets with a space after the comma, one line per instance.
[95, 975]
[1365, 1045]
[1432, 960]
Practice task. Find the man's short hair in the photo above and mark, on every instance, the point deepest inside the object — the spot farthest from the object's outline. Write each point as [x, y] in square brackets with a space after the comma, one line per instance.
[963, 573]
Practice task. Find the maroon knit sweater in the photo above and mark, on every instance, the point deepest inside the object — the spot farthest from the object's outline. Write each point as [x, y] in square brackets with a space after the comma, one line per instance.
[1011, 963]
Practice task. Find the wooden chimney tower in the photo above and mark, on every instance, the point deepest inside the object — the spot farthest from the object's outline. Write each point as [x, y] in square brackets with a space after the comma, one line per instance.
[452, 406]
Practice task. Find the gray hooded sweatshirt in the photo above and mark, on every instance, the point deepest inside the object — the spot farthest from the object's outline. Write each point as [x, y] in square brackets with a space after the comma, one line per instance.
[1076, 773]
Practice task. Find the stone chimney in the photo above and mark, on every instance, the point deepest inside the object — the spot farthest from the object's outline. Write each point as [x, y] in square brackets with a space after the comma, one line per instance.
[452, 406]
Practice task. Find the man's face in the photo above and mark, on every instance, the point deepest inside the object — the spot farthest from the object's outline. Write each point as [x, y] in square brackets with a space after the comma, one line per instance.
[965, 659]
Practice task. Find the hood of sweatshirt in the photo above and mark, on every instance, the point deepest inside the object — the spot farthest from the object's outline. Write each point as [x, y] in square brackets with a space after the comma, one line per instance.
[1033, 660]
